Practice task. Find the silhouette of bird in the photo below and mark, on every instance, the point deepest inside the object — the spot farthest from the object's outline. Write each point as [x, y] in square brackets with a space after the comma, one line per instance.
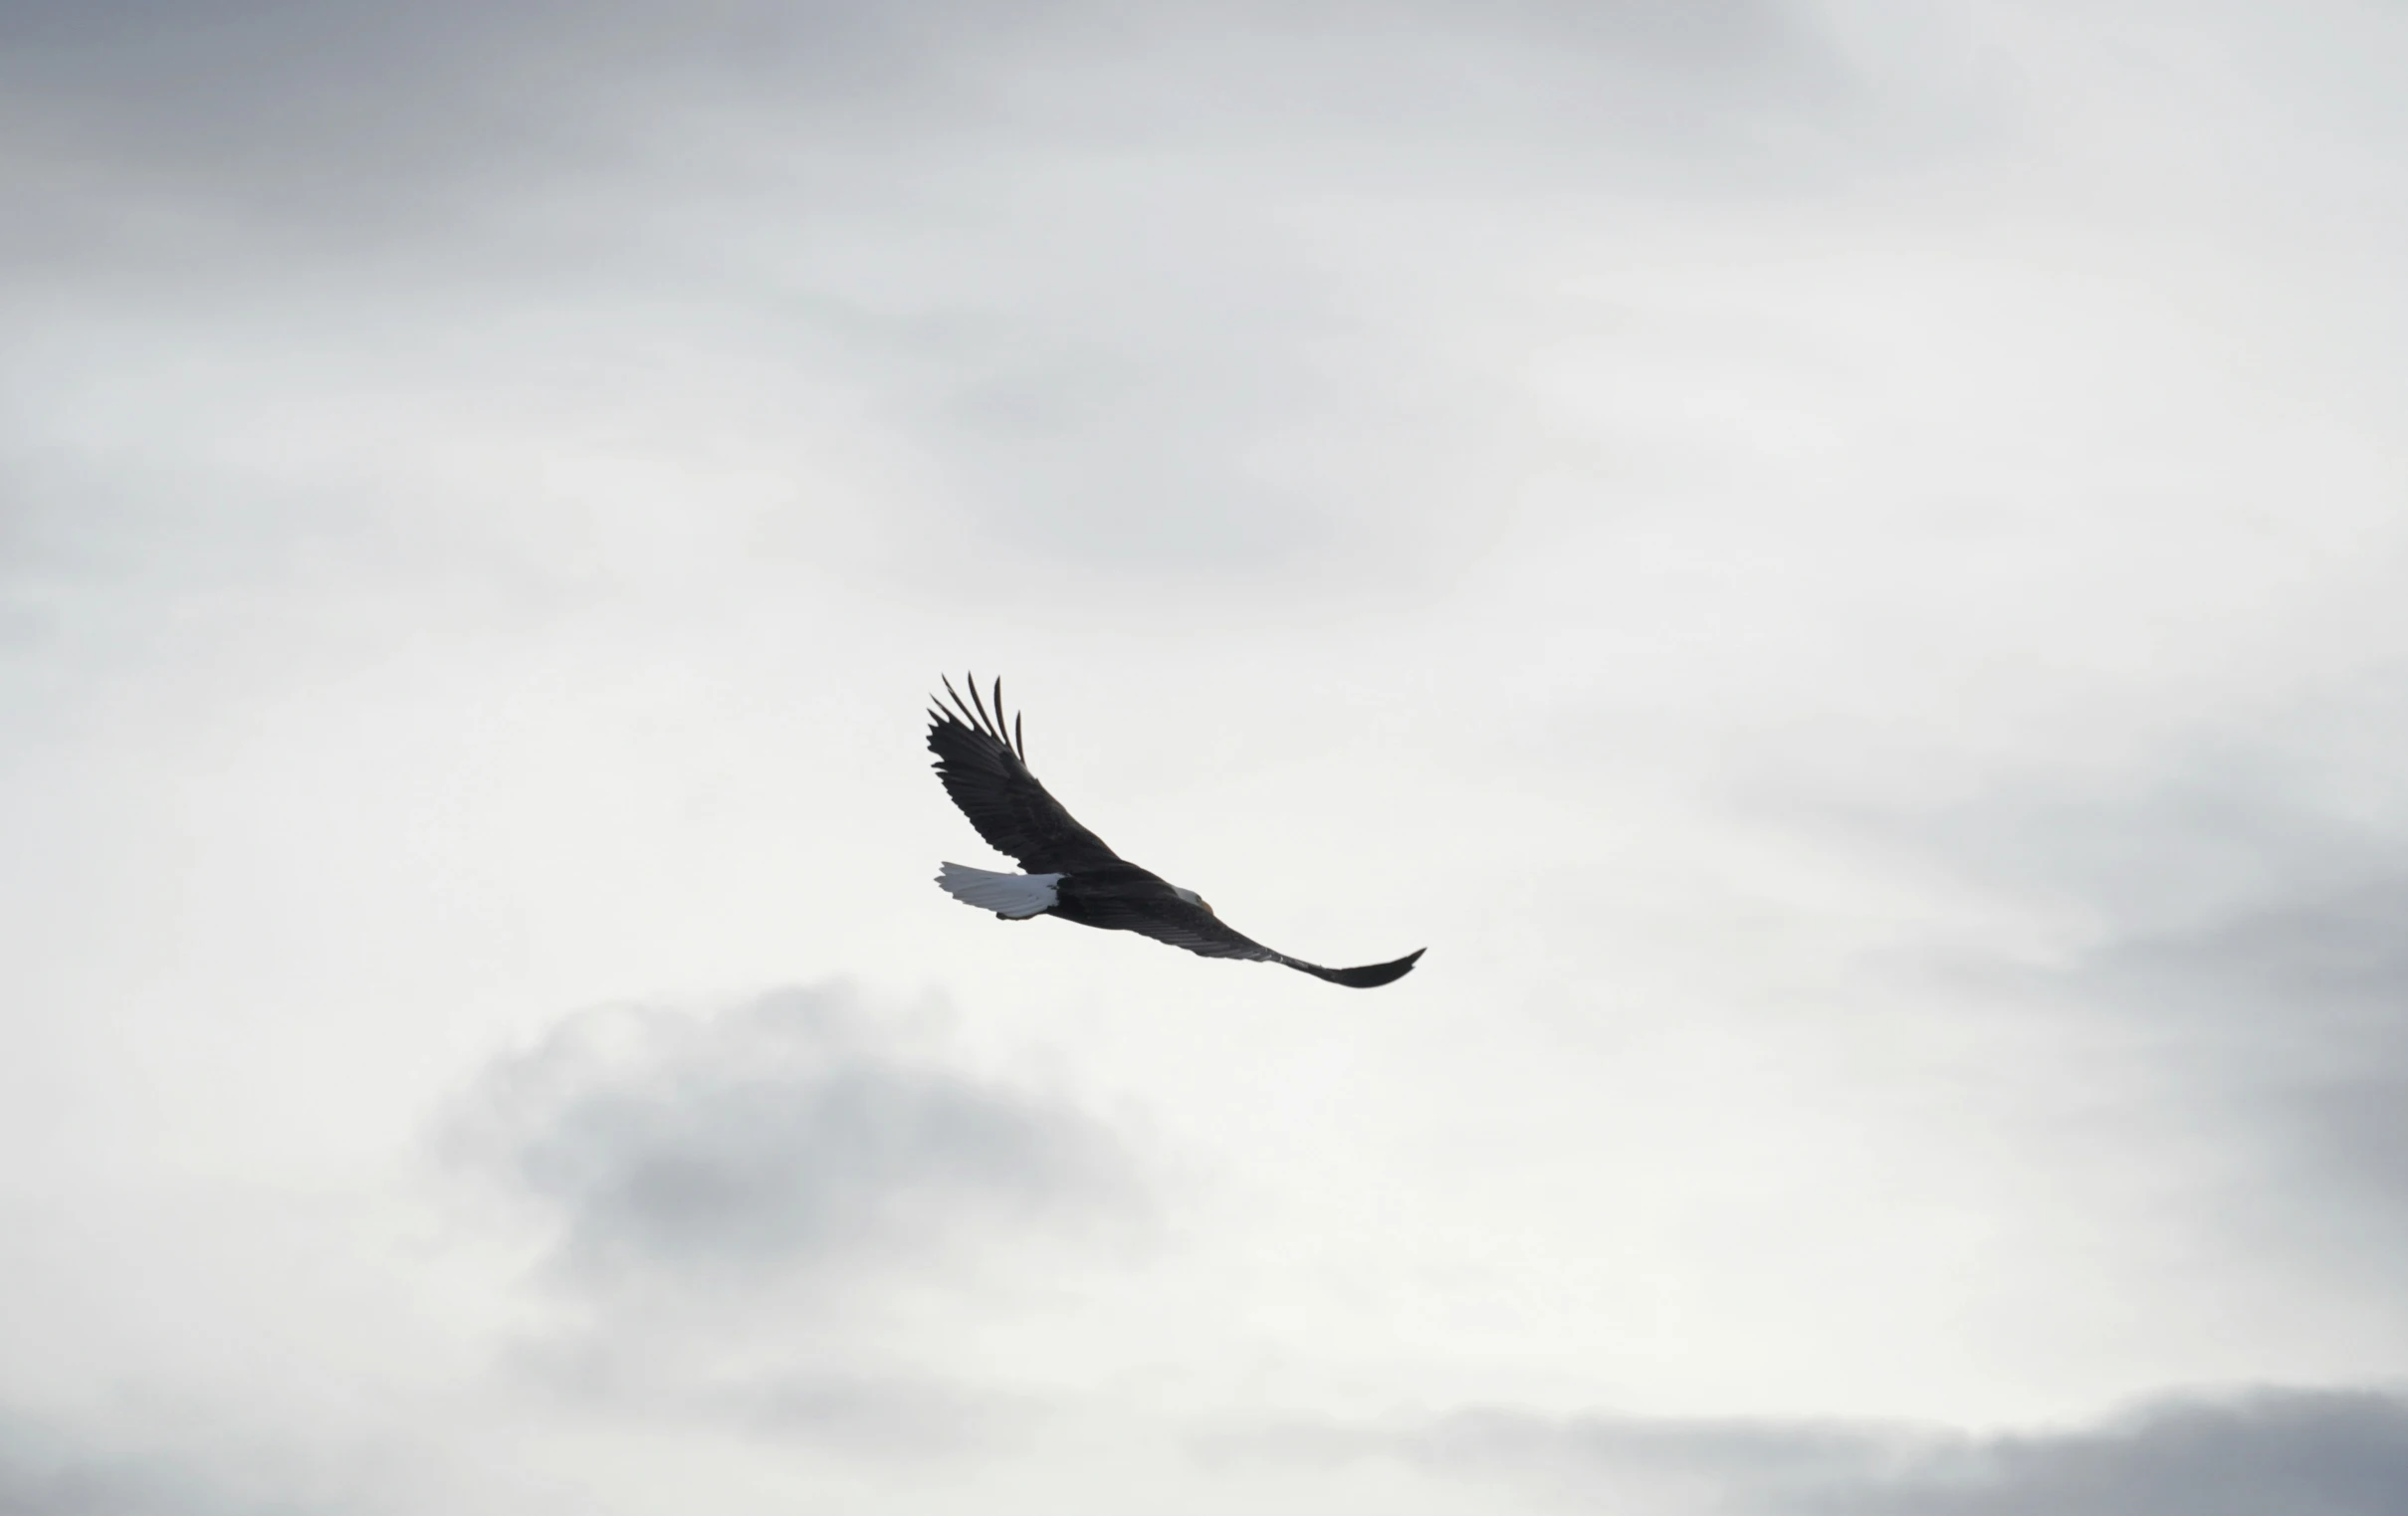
[1071, 874]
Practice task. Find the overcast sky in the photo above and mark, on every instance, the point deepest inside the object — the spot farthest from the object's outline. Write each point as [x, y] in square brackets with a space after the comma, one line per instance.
[1838, 563]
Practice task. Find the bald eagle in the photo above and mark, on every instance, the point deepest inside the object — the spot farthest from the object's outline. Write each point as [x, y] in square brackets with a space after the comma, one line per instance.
[982, 763]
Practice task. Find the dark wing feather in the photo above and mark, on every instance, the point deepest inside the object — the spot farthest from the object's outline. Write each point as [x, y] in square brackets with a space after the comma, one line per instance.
[1198, 930]
[983, 771]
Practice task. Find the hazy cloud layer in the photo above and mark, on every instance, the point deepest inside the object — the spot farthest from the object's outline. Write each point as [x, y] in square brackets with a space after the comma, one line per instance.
[2300, 1453]
[331, 111]
[2232, 912]
[1159, 352]
[49, 1469]
[2301, 1000]
[483, 490]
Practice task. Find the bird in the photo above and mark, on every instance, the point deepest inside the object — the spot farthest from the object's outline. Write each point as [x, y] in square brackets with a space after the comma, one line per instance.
[983, 762]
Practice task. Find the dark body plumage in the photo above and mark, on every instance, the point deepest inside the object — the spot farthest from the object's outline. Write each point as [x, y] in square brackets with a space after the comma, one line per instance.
[982, 763]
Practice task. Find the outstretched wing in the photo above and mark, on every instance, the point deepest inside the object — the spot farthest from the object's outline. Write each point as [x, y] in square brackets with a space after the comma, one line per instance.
[1183, 925]
[982, 769]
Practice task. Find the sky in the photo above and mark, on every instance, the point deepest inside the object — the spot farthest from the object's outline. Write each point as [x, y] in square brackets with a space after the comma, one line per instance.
[1837, 562]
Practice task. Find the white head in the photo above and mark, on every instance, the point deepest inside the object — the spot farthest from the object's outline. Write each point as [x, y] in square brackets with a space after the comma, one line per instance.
[1191, 896]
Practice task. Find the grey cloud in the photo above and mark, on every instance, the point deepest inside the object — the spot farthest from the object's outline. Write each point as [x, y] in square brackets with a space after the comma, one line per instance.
[158, 132]
[1714, 1464]
[791, 1138]
[814, 1399]
[2302, 1000]
[765, 1220]
[2248, 933]
[887, 1415]
[280, 89]
[1194, 357]
[2301, 1453]
[1156, 418]
[2331, 1452]
[47, 1469]
[321, 115]
[1109, 278]
[1753, 1466]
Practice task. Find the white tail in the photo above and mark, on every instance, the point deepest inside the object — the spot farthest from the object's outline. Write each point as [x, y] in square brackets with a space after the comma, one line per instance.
[1013, 895]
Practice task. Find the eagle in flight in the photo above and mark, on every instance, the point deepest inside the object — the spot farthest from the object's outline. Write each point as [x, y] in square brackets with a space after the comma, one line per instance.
[1071, 874]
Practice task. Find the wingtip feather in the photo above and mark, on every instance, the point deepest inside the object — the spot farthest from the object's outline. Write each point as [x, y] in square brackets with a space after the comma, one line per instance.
[1373, 975]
